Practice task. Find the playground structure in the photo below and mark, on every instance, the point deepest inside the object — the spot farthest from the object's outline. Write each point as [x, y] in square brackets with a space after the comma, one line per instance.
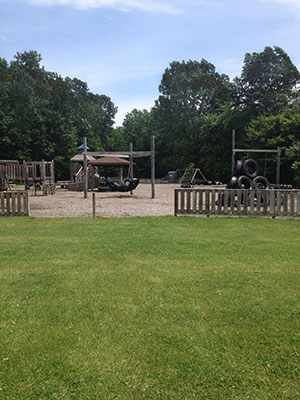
[38, 175]
[85, 178]
[190, 175]
[98, 171]
[264, 151]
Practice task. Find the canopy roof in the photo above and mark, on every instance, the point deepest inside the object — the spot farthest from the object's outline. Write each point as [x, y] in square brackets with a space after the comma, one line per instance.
[110, 162]
[79, 158]
[81, 147]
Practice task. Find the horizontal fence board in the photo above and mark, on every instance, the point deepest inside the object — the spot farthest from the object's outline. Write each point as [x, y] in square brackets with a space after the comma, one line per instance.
[237, 202]
[14, 204]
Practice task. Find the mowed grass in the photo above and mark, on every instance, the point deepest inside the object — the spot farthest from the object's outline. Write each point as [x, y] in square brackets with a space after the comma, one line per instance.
[149, 308]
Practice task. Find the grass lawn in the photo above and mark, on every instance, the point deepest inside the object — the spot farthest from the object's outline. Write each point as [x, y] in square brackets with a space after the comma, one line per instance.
[149, 308]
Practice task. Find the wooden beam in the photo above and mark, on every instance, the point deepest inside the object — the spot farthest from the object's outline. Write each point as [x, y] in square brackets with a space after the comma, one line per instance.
[254, 151]
[9, 162]
[125, 154]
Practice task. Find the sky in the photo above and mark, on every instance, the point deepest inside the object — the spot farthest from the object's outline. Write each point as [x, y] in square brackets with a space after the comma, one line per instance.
[121, 48]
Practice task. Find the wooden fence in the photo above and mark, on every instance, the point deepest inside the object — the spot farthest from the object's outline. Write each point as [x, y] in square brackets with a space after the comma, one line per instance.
[14, 204]
[239, 202]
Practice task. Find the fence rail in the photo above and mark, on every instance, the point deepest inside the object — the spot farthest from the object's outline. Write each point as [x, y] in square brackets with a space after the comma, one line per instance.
[14, 204]
[237, 202]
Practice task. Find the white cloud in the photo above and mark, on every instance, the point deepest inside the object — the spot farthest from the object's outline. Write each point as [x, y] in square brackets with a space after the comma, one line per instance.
[295, 3]
[121, 5]
[124, 107]
[231, 67]
[290, 5]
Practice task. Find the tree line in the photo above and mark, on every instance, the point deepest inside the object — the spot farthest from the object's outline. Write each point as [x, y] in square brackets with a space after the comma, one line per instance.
[43, 115]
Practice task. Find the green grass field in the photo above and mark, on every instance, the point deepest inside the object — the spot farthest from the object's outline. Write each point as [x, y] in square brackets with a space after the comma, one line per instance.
[149, 308]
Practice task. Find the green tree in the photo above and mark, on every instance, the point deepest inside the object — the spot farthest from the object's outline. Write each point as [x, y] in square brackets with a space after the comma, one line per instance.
[268, 82]
[43, 116]
[281, 130]
[137, 129]
[190, 91]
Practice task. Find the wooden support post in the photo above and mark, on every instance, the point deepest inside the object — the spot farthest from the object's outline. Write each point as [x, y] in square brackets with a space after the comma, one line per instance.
[278, 166]
[85, 169]
[121, 174]
[94, 205]
[43, 177]
[233, 150]
[131, 163]
[153, 167]
[52, 171]
[25, 174]
[26, 204]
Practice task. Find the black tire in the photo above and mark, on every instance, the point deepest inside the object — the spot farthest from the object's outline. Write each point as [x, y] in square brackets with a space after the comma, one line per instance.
[261, 182]
[239, 168]
[232, 184]
[126, 182]
[251, 168]
[244, 182]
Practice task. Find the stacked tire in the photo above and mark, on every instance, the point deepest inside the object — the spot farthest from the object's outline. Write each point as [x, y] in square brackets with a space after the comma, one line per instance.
[246, 176]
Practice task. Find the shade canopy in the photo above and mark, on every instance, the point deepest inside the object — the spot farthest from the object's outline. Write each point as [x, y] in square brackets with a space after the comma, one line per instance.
[79, 158]
[81, 147]
[110, 162]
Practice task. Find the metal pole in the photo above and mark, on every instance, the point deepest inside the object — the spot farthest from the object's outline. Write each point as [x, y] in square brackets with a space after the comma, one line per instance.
[85, 170]
[153, 167]
[233, 150]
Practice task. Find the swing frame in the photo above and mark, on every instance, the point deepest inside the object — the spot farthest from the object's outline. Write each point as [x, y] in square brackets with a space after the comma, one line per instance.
[265, 151]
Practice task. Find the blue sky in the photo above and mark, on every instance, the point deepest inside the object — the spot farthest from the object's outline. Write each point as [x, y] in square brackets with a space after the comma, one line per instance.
[122, 47]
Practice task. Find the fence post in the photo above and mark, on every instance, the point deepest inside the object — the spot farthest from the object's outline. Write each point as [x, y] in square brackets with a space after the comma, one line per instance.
[94, 205]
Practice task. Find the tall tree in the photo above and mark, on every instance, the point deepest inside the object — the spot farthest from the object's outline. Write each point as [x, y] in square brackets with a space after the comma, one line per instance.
[268, 82]
[137, 129]
[189, 92]
[281, 130]
[43, 116]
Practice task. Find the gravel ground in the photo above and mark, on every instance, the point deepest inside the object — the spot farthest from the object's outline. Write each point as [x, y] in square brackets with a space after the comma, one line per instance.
[73, 204]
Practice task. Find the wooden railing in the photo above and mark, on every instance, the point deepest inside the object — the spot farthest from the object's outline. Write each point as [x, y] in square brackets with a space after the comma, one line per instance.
[12, 171]
[237, 202]
[14, 204]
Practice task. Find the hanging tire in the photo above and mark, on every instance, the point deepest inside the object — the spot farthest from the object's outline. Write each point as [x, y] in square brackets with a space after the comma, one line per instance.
[232, 184]
[126, 182]
[251, 168]
[244, 182]
[239, 168]
[261, 182]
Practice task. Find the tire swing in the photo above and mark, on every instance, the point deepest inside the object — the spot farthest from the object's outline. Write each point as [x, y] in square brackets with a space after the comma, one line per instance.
[244, 182]
[233, 183]
[239, 168]
[251, 168]
[126, 182]
[261, 182]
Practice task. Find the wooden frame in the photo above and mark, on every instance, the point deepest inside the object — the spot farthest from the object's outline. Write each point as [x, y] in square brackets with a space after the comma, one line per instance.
[132, 154]
[277, 151]
[33, 172]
